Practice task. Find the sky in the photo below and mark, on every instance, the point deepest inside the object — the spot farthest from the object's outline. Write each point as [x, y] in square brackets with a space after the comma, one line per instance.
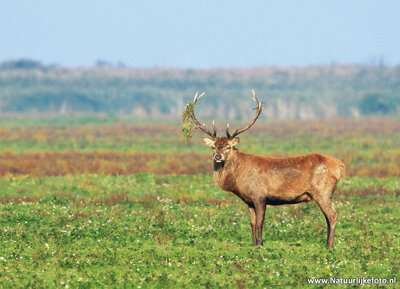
[201, 34]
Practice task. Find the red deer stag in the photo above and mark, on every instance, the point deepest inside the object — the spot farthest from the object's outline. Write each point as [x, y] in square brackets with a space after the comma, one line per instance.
[261, 181]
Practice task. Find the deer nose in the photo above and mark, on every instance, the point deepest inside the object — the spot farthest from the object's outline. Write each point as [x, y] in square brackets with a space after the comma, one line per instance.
[218, 157]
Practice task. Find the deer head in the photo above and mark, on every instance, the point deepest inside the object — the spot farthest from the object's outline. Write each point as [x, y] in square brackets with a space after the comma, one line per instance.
[223, 146]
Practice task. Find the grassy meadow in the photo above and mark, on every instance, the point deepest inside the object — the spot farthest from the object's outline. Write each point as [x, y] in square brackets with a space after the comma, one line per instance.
[100, 202]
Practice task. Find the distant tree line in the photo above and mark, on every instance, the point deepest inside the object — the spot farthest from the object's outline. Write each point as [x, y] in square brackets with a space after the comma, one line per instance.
[28, 87]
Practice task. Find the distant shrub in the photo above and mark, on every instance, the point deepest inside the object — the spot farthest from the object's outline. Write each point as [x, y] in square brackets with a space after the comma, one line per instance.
[376, 104]
[22, 64]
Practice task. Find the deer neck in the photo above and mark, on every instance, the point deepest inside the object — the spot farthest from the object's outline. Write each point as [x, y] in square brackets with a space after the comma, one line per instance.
[224, 172]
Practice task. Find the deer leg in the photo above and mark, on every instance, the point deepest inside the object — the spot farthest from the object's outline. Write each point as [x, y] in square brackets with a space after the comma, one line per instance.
[330, 215]
[260, 214]
[253, 224]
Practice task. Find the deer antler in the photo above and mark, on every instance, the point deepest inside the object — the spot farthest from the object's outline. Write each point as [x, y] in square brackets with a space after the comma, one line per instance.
[239, 131]
[197, 123]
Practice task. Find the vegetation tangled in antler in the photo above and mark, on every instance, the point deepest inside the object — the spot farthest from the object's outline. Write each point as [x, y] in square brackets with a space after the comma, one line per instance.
[187, 123]
[189, 120]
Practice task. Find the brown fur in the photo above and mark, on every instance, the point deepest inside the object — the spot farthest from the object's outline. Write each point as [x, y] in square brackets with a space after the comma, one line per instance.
[260, 180]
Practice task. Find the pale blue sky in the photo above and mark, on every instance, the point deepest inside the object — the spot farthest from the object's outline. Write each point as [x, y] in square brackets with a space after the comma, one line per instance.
[207, 33]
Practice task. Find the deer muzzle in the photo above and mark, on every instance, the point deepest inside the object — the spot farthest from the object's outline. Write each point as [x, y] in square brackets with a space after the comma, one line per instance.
[219, 158]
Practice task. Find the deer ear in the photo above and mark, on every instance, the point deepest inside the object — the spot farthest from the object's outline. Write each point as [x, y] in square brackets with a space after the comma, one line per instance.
[208, 141]
[234, 141]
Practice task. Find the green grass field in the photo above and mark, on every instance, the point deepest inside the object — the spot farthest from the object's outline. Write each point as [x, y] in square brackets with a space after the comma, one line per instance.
[149, 230]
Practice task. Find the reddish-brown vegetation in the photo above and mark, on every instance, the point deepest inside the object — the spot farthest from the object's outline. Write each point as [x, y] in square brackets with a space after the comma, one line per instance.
[74, 163]
[116, 163]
